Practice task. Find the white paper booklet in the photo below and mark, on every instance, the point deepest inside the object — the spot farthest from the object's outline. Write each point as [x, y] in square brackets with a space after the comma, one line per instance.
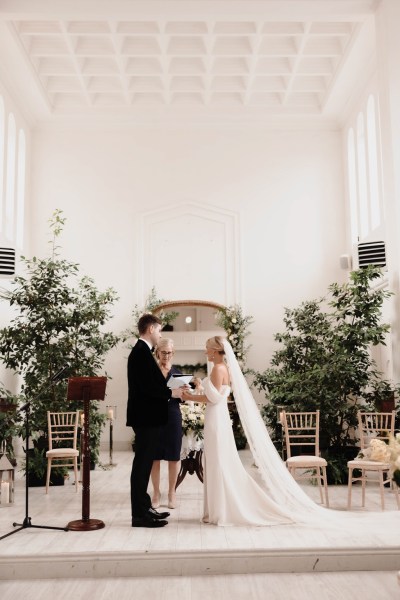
[176, 381]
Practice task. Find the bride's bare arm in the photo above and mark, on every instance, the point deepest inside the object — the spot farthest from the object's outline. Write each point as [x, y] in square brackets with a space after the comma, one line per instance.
[194, 397]
[190, 397]
[219, 376]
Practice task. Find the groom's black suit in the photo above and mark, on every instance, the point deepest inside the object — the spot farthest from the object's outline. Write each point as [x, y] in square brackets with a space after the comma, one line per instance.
[148, 397]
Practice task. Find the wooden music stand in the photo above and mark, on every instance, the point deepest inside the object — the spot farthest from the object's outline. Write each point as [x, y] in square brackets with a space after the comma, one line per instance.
[86, 389]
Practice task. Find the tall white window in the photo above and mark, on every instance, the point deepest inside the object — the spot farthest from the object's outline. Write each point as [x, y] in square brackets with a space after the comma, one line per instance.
[362, 177]
[2, 142]
[363, 159]
[12, 178]
[10, 174]
[352, 170]
[21, 188]
[373, 163]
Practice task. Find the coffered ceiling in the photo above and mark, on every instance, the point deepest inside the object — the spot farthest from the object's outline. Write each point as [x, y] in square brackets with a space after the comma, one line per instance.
[226, 57]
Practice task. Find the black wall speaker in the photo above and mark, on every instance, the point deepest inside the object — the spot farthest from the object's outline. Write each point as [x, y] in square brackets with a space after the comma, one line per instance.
[7, 261]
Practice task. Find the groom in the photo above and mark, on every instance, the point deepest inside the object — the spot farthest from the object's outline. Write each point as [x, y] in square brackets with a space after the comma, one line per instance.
[148, 397]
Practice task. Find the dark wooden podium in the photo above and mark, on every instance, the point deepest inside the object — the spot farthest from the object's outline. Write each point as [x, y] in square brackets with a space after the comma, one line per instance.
[86, 389]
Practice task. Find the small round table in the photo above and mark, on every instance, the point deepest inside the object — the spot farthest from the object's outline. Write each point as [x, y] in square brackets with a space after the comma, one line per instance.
[193, 463]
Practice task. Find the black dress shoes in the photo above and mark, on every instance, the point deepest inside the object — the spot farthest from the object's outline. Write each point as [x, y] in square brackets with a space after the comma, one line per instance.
[154, 514]
[148, 522]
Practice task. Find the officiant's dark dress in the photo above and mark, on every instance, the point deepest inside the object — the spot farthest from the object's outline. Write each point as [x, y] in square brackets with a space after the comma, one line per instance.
[170, 441]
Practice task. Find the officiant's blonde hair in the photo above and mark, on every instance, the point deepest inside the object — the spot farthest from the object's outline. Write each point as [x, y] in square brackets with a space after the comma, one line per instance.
[216, 343]
[164, 342]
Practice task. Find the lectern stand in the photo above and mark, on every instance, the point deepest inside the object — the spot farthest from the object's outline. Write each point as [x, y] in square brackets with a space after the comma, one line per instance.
[86, 389]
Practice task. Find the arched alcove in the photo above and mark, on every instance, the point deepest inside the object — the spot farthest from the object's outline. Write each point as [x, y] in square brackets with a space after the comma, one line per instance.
[195, 323]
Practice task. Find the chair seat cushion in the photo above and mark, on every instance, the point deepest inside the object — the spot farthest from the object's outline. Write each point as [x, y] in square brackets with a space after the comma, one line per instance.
[62, 452]
[371, 465]
[306, 461]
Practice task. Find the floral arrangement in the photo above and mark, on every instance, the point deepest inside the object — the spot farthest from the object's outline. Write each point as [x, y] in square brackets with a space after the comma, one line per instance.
[394, 446]
[386, 452]
[377, 450]
[236, 326]
[193, 419]
[151, 303]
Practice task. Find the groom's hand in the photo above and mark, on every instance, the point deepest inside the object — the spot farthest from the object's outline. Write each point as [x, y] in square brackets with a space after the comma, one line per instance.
[187, 396]
[177, 393]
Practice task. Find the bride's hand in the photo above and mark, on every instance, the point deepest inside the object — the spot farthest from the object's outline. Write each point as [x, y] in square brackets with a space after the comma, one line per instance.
[187, 396]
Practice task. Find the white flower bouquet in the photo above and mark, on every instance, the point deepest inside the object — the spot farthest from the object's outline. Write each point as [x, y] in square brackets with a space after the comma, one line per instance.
[193, 419]
[377, 450]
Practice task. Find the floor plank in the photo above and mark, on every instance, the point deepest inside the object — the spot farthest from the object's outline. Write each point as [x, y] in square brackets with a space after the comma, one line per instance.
[110, 501]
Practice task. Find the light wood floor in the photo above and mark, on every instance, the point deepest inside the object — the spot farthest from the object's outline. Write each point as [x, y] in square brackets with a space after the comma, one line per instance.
[186, 534]
[271, 586]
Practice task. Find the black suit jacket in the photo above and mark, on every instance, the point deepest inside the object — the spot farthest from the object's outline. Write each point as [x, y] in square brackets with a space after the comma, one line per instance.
[148, 393]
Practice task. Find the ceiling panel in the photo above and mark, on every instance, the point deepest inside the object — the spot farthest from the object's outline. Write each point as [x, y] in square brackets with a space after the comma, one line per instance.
[286, 64]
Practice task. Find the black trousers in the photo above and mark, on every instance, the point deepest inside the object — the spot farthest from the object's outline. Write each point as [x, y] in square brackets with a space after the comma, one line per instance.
[146, 442]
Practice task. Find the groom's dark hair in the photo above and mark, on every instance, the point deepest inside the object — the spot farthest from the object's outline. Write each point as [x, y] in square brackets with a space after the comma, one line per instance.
[146, 321]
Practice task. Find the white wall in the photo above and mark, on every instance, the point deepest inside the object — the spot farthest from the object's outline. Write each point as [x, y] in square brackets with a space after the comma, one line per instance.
[10, 381]
[388, 47]
[286, 187]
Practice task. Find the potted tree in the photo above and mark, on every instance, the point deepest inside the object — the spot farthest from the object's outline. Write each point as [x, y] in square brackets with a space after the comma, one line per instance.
[59, 321]
[324, 363]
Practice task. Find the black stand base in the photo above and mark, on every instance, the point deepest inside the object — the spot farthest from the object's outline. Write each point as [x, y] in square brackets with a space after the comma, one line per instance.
[28, 523]
[85, 525]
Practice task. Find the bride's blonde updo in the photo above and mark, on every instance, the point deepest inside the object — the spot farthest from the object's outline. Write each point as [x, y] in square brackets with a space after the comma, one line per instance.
[216, 343]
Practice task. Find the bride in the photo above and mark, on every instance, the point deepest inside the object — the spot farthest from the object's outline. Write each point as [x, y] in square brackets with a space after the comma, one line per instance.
[231, 495]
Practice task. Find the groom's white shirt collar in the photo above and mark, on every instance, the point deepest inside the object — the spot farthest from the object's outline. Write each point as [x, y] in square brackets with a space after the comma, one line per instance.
[146, 342]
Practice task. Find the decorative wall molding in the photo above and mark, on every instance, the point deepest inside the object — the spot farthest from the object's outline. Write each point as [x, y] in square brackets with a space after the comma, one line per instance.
[189, 250]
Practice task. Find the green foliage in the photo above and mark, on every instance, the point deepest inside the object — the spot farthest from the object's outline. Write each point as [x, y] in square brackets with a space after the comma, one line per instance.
[324, 363]
[191, 369]
[236, 327]
[150, 306]
[59, 321]
[10, 420]
[37, 463]
[37, 466]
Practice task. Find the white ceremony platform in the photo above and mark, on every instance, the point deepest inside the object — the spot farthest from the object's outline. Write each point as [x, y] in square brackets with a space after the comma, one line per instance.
[186, 547]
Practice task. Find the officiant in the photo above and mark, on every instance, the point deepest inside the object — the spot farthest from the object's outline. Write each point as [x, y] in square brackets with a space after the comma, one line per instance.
[170, 442]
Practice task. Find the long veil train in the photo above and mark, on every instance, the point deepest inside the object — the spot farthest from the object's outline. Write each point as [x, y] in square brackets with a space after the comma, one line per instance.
[280, 485]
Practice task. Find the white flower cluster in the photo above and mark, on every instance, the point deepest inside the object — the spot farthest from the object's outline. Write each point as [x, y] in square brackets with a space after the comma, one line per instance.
[193, 419]
[235, 325]
[384, 452]
[394, 446]
[378, 450]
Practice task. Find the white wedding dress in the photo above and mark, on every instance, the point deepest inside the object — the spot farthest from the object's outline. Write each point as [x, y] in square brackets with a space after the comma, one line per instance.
[231, 495]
